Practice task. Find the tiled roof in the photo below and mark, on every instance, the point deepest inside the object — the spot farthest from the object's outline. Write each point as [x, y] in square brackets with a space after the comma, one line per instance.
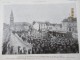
[22, 23]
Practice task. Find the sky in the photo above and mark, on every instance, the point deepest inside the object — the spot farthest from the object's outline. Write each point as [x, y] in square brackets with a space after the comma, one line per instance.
[54, 13]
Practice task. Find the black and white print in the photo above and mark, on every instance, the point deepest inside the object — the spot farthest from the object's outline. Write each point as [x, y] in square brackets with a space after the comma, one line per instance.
[40, 29]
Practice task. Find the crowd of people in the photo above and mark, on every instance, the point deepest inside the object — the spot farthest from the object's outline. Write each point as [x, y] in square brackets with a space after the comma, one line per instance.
[53, 44]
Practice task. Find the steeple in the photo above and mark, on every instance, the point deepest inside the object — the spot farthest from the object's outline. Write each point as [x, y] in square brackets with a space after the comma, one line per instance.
[11, 15]
[11, 19]
[72, 12]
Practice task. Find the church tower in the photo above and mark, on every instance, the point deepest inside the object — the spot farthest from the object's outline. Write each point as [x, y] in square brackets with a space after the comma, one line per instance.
[72, 12]
[11, 20]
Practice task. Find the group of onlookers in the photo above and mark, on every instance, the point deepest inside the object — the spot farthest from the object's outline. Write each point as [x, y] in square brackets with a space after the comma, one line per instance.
[53, 44]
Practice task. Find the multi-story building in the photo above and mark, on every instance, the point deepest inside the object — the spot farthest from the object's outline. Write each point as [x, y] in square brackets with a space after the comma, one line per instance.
[47, 26]
[40, 26]
[17, 45]
[70, 24]
[18, 26]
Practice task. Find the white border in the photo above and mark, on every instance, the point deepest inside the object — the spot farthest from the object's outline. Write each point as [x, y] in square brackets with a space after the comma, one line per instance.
[38, 56]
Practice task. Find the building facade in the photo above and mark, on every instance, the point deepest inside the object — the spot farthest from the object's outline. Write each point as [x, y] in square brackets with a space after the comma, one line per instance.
[40, 26]
[16, 44]
[70, 24]
[18, 26]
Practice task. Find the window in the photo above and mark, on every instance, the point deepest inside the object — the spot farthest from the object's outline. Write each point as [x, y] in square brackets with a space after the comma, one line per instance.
[24, 50]
[11, 51]
[69, 29]
[29, 51]
[18, 49]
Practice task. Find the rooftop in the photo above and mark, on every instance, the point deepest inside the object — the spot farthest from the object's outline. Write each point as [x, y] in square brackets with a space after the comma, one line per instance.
[22, 23]
[70, 19]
